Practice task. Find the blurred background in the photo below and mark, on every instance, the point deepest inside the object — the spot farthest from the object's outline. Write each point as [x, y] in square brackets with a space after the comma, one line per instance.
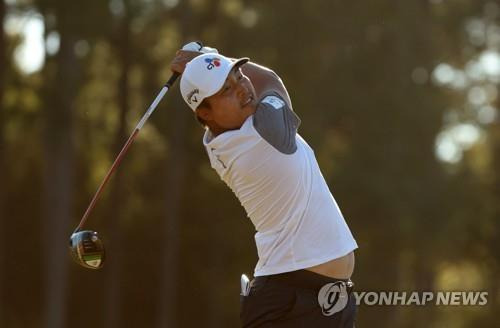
[399, 99]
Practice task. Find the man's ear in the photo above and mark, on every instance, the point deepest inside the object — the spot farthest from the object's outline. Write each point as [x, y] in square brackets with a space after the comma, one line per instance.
[204, 113]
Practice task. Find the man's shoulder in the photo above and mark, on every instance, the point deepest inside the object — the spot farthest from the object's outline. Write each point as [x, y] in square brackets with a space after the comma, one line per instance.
[274, 100]
[276, 122]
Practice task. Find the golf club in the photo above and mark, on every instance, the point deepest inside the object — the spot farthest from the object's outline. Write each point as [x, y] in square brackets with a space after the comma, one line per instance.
[85, 246]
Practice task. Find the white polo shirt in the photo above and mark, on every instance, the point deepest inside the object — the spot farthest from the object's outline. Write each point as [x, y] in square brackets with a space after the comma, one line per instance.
[276, 178]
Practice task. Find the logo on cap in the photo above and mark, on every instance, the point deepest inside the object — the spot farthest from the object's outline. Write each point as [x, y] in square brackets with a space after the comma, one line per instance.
[212, 62]
[191, 96]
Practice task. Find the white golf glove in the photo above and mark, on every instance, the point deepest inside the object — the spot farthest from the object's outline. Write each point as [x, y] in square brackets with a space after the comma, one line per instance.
[209, 50]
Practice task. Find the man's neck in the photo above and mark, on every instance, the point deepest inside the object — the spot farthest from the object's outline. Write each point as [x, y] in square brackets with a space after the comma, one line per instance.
[216, 130]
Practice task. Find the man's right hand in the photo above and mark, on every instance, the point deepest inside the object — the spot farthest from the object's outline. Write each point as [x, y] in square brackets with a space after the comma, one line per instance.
[182, 57]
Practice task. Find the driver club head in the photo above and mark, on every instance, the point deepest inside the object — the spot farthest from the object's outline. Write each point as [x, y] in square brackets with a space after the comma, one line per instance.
[87, 249]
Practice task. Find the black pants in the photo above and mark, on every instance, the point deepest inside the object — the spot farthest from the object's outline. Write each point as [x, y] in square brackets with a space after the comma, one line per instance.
[290, 300]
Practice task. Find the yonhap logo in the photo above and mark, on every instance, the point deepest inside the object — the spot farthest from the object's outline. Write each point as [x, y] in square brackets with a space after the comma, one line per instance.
[333, 297]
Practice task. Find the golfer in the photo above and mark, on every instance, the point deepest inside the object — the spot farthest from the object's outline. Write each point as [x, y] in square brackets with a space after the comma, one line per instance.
[303, 241]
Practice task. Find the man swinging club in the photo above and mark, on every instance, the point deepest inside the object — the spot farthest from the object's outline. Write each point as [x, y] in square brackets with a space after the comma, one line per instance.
[303, 241]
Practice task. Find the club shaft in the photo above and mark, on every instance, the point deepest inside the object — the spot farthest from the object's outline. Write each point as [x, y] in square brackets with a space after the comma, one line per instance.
[125, 148]
[106, 178]
[156, 101]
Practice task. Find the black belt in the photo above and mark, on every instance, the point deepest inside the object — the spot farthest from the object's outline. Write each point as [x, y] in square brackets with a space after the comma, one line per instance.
[305, 279]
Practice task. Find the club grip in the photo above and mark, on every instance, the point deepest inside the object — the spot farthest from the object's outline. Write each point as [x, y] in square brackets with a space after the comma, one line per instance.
[172, 80]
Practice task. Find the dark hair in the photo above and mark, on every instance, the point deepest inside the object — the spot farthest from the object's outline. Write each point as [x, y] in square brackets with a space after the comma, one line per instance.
[204, 103]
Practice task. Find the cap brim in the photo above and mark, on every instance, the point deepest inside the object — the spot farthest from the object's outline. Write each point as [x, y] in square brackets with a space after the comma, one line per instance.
[239, 62]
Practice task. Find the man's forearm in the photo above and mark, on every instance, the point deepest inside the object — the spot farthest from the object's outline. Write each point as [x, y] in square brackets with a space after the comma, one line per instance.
[265, 80]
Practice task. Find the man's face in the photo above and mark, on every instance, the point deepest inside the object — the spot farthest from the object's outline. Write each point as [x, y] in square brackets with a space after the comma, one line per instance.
[232, 105]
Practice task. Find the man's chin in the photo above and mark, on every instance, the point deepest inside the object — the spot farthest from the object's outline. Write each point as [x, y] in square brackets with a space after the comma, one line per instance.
[249, 102]
[251, 106]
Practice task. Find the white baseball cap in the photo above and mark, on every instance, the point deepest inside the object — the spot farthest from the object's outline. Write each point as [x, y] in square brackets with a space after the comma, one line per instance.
[204, 76]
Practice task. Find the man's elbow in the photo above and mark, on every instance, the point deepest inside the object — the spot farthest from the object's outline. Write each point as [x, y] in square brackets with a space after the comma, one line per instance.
[272, 75]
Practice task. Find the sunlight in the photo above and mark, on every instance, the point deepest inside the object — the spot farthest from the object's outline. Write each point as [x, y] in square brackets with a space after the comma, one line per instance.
[487, 115]
[52, 43]
[30, 54]
[453, 141]
[490, 62]
[444, 73]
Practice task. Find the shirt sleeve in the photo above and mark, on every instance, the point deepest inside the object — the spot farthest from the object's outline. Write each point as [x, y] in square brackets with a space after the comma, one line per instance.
[276, 123]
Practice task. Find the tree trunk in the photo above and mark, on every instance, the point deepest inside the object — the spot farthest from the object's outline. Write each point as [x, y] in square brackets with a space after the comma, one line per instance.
[175, 182]
[175, 187]
[58, 174]
[494, 285]
[413, 18]
[116, 210]
[2, 157]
